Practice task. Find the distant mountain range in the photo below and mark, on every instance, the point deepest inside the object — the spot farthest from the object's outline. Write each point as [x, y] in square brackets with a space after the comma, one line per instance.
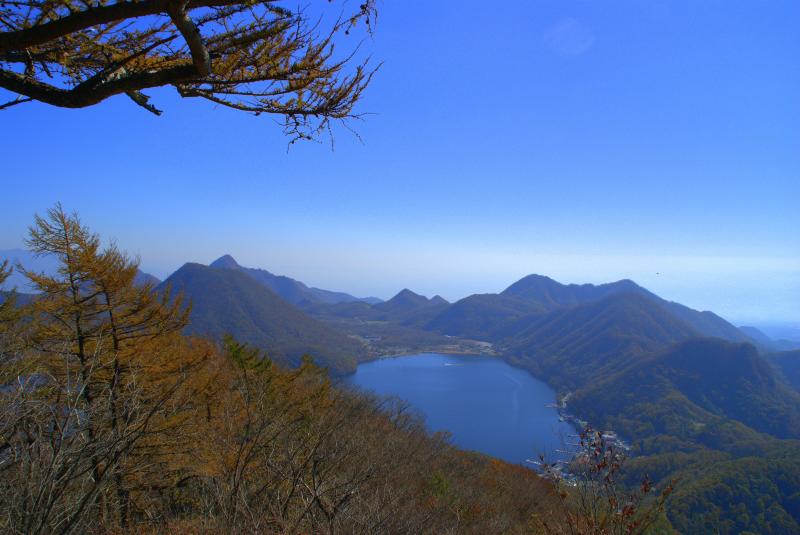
[409, 309]
[290, 290]
[560, 332]
[548, 325]
[407, 301]
[552, 295]
[768, 343]
[280, 314]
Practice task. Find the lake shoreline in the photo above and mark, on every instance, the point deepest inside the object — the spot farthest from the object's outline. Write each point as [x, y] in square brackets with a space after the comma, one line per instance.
[487, 404]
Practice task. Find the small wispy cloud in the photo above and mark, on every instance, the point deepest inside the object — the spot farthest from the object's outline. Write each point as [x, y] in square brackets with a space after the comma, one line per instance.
[568, 37]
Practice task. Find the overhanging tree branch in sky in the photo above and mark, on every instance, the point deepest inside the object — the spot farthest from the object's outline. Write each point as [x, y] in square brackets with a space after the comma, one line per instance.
[255, 56]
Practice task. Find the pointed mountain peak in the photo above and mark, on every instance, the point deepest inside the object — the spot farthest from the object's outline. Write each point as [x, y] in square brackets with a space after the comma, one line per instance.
[404, 301]
[439, 300]
[405, 298]
[225, 262]
[405, 293]
[626, 284]
[530, 282]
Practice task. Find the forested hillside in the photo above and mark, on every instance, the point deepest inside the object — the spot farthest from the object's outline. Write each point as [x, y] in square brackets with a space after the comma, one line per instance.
[571, 346]
[714, 415]
[496, 317]
[788, 362]
[692, 385]
[228, 301]
[483, 316]
[551, 294]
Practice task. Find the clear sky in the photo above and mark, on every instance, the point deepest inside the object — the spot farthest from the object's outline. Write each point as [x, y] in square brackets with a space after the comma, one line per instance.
[589, 141]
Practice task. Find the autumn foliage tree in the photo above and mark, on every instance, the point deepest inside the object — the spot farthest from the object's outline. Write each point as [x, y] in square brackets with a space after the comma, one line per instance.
[260, 56]
[97, 398]
[7, 310]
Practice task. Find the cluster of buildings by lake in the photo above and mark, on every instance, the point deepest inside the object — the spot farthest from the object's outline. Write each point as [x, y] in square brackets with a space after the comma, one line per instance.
[573, 452]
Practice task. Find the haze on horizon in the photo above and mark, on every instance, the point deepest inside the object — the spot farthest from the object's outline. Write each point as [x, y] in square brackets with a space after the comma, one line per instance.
[654, 141]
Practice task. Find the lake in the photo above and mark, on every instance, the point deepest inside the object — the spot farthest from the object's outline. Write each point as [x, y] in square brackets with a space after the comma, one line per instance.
[486, 404]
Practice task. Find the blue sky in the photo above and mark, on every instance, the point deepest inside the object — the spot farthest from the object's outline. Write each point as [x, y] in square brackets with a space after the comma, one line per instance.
[589, 141]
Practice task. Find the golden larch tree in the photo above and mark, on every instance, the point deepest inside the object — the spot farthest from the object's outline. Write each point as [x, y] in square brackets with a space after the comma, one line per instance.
[262, 56]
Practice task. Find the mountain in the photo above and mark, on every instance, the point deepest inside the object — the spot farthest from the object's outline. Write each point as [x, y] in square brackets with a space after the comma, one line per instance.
[756, 335]
[44, 264]
[225, 262]
[290, 290]
[788, 363]
[358, 310]
[492, 317]
[551, 295]
[711, 412]
[404, 301]
[781, 330]
[20, 299]
[689, 386]
[717, 417]
[409, 309]
[572, 346]
[230, 301]
[482, 316]
[370, 300]
[143, 278]
[439, 300]
[707, 323]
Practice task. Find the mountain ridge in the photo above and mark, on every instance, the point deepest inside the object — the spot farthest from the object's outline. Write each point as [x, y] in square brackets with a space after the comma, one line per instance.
[492, 317]
[227, 301]
[291, 290]
[569, 345]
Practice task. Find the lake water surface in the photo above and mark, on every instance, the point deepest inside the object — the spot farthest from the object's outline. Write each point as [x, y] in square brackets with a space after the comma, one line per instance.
[486, 404]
